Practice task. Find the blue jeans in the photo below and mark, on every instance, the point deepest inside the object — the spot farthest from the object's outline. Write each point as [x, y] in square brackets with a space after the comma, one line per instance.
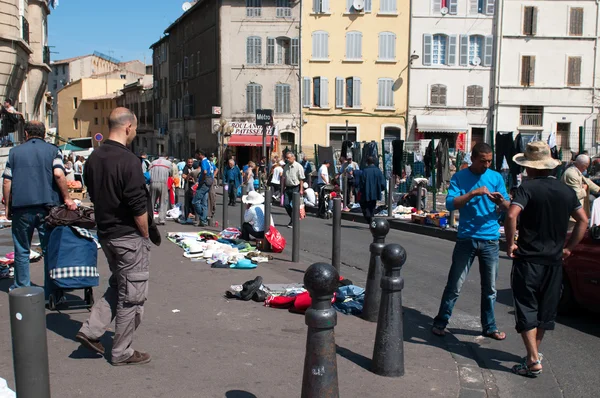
[465, 251]
[200, 202]
[24, 221]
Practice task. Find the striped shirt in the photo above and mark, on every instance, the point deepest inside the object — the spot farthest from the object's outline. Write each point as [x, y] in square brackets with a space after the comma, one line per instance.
[160, 170]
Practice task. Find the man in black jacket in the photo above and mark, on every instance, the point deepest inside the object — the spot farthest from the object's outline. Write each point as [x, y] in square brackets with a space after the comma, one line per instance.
[117, 188]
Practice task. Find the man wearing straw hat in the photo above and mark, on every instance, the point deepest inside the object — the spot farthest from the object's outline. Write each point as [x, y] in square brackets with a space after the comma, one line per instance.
[544, 206]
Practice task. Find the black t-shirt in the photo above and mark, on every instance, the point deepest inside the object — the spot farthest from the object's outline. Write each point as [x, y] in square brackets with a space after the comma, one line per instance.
[547, 206]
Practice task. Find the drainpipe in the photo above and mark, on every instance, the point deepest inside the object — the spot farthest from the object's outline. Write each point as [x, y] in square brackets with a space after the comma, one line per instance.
[408, 74]
[301, 117]
[595, 57]
[499, 20]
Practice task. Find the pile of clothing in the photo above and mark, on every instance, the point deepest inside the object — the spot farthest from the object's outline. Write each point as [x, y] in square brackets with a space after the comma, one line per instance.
[6, 262]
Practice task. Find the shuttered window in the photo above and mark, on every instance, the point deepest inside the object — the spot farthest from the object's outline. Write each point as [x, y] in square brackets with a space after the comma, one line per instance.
[320, 88]
[452, 50]
[487, 7]
[436, 6]
[490, 7]
[253, 8]
[529, 21]
[475, 50]
[387, 46]
[284, 9]
[576, 21]
[488, 52]
[388, 6]
[339, 92]
[320, 45]
[253, 97]
[306, 99]
[295, 51]
[475, 96]
[353, 92]
[320, 6]
[270, 50]
[438, 95]
[452, 6]
[574, 71]
[385, 93]
[464, 50]
[438, 54]
[368, 5]
[527, 70]
[253, 50]
[354, 45]
[282, 98]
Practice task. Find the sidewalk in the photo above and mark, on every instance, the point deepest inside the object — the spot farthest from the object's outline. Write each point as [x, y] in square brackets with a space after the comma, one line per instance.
[215, 347]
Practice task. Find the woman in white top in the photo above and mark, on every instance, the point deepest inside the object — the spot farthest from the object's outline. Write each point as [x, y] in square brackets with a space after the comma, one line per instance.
[276, 178]
[254, 218]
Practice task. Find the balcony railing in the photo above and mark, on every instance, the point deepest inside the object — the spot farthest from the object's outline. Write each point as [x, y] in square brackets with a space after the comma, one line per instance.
[46, 55]
[25, 29]
[532, 119]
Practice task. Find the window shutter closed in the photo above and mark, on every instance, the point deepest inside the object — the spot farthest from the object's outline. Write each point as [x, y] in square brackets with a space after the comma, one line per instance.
[453, 7]
[354, 45]
[488, 54]
[295, 50]
[479, 96]
[443, 95]
[339, 92]
[474, 7]
[356, 93]
[464, 50]
[436, 6]
[534, 21]
[320, 45]
[490, 7]
[368, 5]
[316, 6]
[325, 6]
[452, 49]
[349, 5]
[324, 89]
[574, 71]
[427, 49]
[527, 70]
[471, 96]
[306, 92]
[576, 21]
[270, 50]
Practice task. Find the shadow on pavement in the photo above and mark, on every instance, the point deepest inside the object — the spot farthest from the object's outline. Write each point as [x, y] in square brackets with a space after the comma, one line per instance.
[352, 356]
[5, 284]
[63, 325]
[239, 394]
[296, 270]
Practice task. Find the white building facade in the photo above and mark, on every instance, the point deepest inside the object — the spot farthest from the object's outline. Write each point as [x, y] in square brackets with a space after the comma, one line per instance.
[547, 70]
[451, 71]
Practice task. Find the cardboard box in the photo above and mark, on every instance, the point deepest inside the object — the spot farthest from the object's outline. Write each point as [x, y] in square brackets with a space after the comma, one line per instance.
[78, 195]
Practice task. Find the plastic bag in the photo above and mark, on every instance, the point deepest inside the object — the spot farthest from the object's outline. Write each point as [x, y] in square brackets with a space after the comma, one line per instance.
[302, 212]
[275, 239]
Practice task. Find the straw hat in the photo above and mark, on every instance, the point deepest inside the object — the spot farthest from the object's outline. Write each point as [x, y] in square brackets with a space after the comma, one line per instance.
[253, 198]
[537, 156]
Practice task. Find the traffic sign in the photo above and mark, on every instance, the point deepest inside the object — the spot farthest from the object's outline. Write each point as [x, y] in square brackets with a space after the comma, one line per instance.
[264, 117]
[98, 137]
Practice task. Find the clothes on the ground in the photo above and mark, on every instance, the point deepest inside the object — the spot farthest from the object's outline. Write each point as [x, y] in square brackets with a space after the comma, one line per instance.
[536, 294]
[293, 174]
[371, 184]
[310, 199]
[323, 177]
[465, 251]
[129, 262]
[117, 188]
[31, 166]
[478, 218]
[575, 180]
[547, 206]
[160, 170]
[276, 179]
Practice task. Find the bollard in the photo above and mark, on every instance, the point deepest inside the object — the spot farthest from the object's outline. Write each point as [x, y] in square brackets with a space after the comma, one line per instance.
[337, 234]
[296, 227]
[320, 379]
[345, 192]
[388, 353]
[225, 222]
[243, 206]
[419, 198]
[30, 347]
[267, 221]
[379, 229]
[390, 198]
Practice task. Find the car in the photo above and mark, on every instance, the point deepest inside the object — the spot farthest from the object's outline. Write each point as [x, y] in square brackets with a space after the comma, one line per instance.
[581, 277]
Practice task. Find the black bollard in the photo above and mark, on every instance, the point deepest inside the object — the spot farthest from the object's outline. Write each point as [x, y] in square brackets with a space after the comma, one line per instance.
[267, 221]
[296, 226]
[320, 379]
[336, 245]
[388, 354]
[419, 198]
[345, 192]
[30, 347]
[379, 229]
[390, 198]
[226, 188]
[243, 207]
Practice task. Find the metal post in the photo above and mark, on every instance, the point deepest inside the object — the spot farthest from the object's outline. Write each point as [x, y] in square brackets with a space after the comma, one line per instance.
[320, 379]
[379, 229]
[225, 222]
[30, 347]
[336, 245]
[345, 191]
[296, 225]
[267, 222]
[493, 150]
[419, 197]
[388, 353]
[390, 198]
[433, 177]
[581, 140]
[242, 206]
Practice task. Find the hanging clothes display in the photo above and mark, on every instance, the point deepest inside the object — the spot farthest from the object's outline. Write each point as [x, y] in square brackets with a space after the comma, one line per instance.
[505, 149]
[397, 155]
[427, 158]
[346, 149]
[461, 142]
[356, 152]
[326, 153]
[552, 145]
[442, 158]
[369, 149]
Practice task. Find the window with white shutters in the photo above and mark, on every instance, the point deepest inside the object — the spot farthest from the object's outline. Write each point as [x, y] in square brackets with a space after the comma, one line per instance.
[320, 45]
[452, 50]
[438, 95]
[576, 21]
[353, 92]
[295, 51]
[385, 93]
[439, 50]
[475, 96]
[464, 50]
[306, 98]
[475, 50]
[488, 51]
[482, 7]
[320, 88]
[282, 98]
[490, 7]
[253, 50]
[368, 5]
[388, 6]
[436, 6]
[270, 50]
[452, 6]
[339, 92]
[387, 46]
[253, 97]
[354, 45]
[284, 9]
[321, 6]
[253, 8]
[574, 71]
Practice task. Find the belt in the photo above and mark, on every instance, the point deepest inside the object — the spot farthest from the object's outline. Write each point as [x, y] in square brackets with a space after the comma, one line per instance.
[292, 186]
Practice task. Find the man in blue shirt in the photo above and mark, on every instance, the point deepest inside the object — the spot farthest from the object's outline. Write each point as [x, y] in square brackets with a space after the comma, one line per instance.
[205, 181]
[476, 192]
[34, 181]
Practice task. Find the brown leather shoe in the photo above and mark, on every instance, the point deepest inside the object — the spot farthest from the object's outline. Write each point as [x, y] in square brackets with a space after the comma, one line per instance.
[94, 345]
[138, 358]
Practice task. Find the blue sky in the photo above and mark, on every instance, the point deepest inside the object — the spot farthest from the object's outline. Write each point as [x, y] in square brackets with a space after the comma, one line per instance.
[123, 29]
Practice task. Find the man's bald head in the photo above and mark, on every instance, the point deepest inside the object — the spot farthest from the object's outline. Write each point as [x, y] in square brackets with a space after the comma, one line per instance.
[120, 118]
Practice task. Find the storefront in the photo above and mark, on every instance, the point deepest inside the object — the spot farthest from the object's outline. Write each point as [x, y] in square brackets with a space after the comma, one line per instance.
[453, 128]
[245, 142]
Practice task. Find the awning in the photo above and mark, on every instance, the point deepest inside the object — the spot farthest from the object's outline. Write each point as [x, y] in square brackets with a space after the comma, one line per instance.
[247, 140]
[442, 124]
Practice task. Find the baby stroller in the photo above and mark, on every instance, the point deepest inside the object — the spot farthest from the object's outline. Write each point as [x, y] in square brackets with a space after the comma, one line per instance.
[324, 193]
[72, 257]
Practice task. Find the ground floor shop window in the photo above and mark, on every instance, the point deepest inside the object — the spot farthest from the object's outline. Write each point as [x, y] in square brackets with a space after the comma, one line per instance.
[337, 135]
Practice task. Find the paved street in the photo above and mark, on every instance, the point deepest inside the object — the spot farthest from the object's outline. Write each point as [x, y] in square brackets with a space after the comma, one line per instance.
[219, 348]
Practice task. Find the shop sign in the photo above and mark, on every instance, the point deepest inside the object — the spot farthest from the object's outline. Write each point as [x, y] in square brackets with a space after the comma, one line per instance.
[245, 128]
